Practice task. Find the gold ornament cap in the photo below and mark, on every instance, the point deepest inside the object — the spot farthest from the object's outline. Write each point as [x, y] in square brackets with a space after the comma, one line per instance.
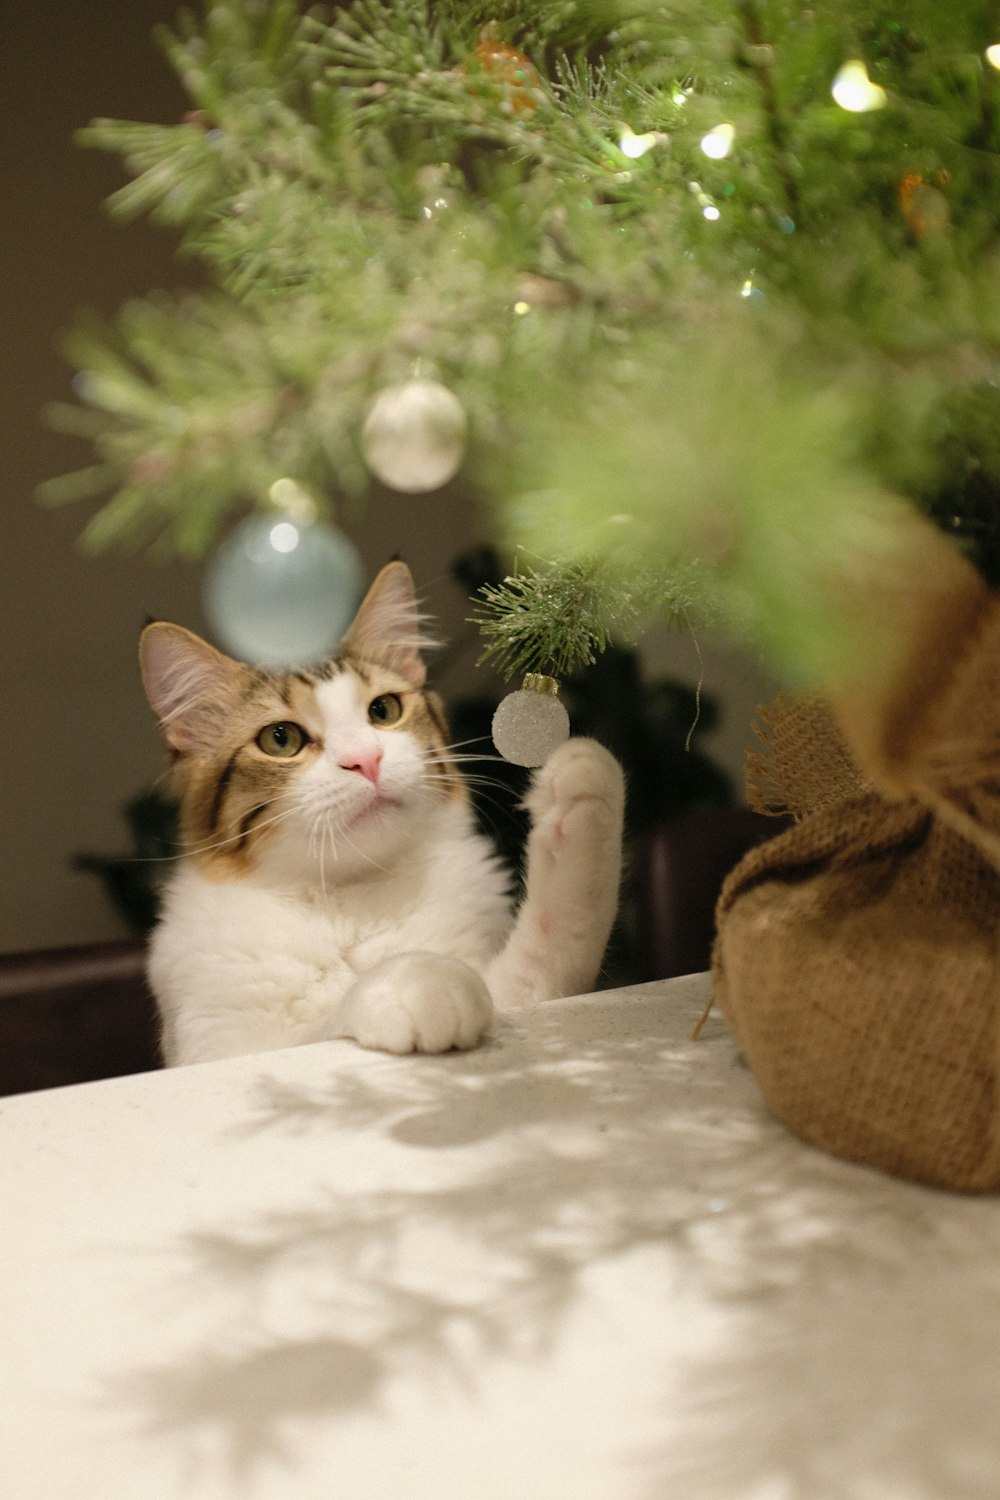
[537, 682]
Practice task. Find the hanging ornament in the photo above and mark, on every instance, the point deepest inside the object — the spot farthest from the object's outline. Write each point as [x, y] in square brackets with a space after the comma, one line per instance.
[281, 592]
[530, 723]
[504, 71]
[924, 207]
[414, 436]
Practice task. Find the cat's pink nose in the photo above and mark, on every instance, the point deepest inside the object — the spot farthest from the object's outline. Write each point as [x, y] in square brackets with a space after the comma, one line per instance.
[365, 761]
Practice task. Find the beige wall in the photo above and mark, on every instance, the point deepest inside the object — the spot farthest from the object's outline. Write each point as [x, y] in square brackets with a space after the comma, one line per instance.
[78, 740]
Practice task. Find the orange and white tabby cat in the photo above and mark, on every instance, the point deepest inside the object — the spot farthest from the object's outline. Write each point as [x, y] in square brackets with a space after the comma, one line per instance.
[333, 882]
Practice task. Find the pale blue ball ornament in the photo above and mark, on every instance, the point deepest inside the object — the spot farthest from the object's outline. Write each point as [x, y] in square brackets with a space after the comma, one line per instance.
[280, 592]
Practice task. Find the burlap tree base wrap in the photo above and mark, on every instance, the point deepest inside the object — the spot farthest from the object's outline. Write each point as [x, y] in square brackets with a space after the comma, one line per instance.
[858, 957]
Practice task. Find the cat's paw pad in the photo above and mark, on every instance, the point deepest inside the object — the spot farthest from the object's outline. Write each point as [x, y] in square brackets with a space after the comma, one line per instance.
[417, 1002]
[580, 772]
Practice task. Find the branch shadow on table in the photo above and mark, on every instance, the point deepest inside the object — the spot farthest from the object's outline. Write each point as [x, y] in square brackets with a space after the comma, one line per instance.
[867, 1381]
[555, 1164]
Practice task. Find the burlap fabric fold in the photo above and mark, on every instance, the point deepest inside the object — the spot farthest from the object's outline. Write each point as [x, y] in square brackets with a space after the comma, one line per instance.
[857, 958]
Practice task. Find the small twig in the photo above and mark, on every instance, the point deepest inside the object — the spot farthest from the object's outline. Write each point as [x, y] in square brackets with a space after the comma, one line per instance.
[699, 685]
[757, 57]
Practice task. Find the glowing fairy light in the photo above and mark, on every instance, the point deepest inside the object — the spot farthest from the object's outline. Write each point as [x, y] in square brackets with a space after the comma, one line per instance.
[633, 146]
[746, 290]
[854, 91]
[295, 504]
[680, 97]
[522, 308]
[718, 142]
[993, 55]
[705, 203]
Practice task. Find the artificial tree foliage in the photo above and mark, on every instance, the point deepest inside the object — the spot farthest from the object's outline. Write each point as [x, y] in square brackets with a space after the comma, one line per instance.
[722, 316]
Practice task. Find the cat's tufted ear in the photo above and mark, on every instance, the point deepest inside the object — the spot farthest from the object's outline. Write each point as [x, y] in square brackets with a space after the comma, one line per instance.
[387, 627]
[189, 684]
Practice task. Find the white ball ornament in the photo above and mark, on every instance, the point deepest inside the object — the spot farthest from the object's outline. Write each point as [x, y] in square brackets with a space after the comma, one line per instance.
[414, 436]
[281, 592]
[530, 723]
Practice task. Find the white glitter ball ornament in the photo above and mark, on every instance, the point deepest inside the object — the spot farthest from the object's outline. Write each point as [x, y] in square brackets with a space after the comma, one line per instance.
[530, 723]
[414, 436]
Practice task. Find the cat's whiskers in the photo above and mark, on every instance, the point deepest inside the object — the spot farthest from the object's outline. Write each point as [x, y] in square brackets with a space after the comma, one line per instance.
[431, 794]
[477, 778]
[460, 763]
[477, 739]
[325, 825]
[324, 830]
[482, 783]
[445, 757]
[329, 833]
[317, 834]
[210, 846]
[363, 854]
[457, 763]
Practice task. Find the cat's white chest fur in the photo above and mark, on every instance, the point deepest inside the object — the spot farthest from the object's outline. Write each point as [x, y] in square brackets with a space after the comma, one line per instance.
[448, 896]
[257, 964]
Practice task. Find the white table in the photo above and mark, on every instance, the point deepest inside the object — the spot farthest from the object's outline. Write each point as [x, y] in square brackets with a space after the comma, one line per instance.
[581, 1263]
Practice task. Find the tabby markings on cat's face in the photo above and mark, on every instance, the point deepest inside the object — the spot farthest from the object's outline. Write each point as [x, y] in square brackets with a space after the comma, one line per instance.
[324, 767]
[313, 772]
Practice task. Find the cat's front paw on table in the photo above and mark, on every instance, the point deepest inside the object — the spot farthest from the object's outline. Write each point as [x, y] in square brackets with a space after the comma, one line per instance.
[416, 1002]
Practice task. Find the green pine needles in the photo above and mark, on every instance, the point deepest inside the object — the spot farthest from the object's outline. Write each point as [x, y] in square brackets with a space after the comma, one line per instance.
[551, 621]
[708, 323]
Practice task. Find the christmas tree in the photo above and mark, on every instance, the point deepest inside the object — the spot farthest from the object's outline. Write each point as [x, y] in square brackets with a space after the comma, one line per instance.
[701, 300]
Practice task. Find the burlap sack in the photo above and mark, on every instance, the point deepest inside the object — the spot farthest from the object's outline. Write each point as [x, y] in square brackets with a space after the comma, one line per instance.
[857, 956]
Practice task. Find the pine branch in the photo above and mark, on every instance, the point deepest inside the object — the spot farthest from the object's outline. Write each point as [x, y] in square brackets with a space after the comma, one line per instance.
[369, 196]
[552, 620]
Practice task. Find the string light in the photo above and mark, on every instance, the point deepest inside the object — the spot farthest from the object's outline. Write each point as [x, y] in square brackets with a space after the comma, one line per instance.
[633, 146]
[718, 142]
[993, 55]
[709, 210]
[288, 496]
[854, 91]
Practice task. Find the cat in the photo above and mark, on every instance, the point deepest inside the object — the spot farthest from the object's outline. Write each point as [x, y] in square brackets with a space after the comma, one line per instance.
[333, 882]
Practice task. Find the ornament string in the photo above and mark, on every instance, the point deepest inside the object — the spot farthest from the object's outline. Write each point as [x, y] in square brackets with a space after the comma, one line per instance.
[698, 686]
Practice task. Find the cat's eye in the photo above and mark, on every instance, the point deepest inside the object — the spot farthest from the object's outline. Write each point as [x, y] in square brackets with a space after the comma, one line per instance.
[387, 708]
[282, 740]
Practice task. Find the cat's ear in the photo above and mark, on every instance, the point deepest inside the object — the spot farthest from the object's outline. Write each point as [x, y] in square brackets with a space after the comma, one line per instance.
[189, 684]
[387, 627]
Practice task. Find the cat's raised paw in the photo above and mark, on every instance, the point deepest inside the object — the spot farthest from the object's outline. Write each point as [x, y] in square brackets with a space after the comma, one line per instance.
[573, 868]
[579, 774]
[417, 1002]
